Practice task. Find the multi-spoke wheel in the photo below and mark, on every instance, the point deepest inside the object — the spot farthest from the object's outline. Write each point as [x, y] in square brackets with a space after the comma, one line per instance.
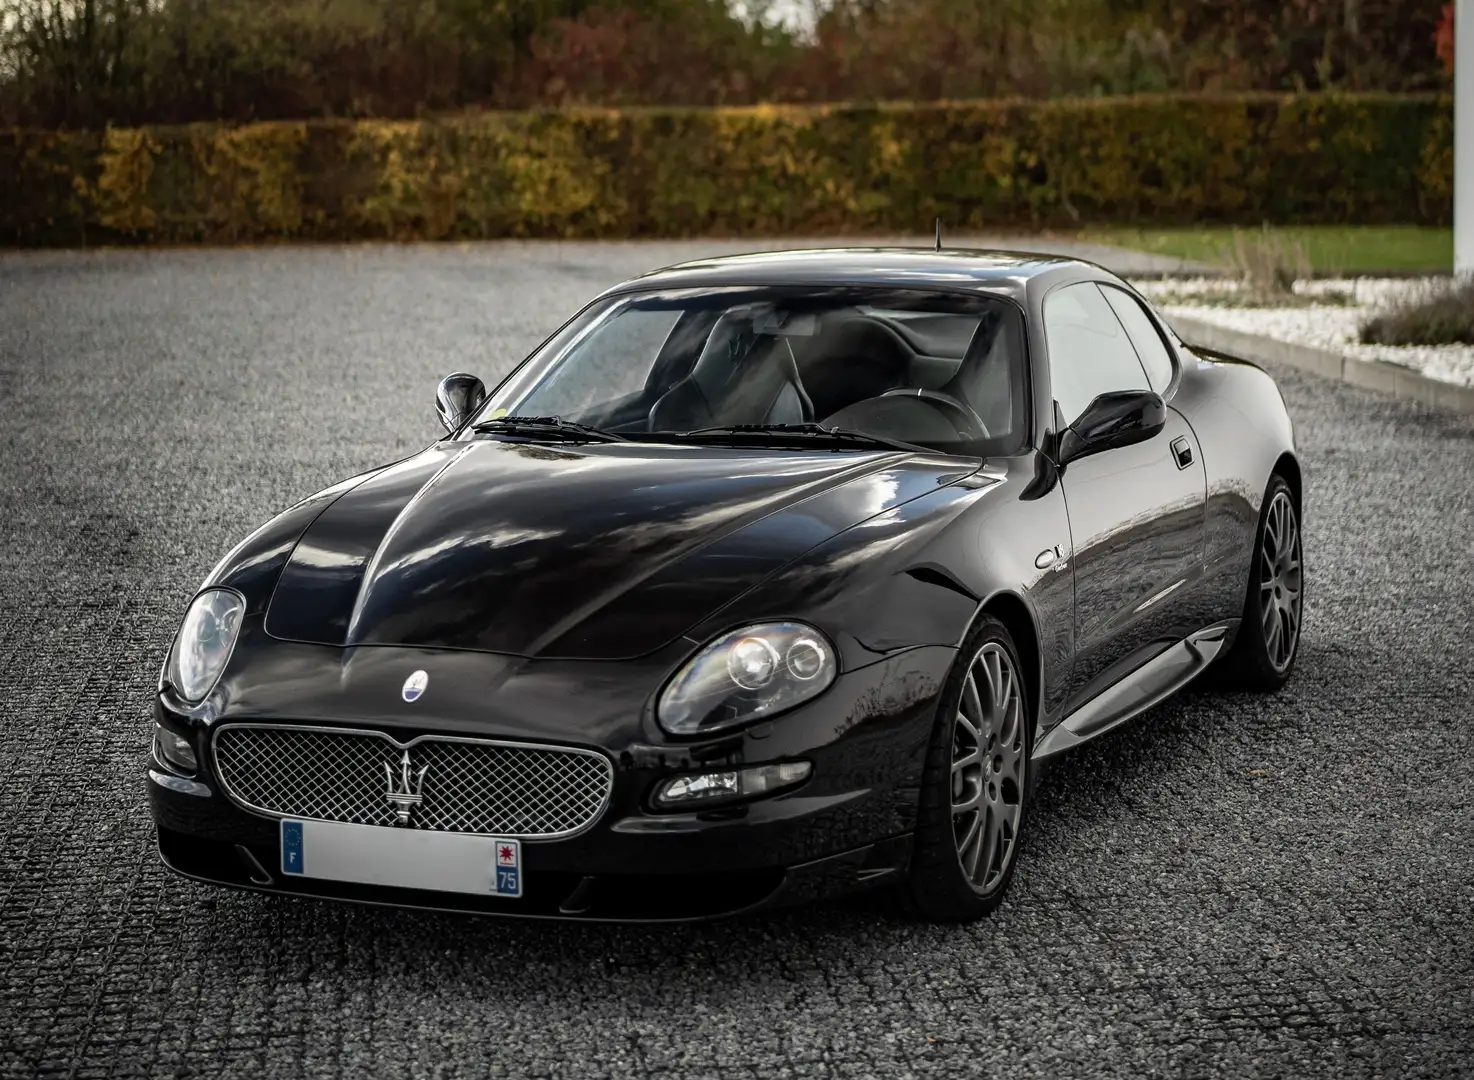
[988, 766]
[976, 789]
[1279, 581]
[1269, 634]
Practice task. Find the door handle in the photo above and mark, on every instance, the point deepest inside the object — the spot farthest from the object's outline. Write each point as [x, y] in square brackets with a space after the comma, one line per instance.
[1182, 450]
[1051, 557]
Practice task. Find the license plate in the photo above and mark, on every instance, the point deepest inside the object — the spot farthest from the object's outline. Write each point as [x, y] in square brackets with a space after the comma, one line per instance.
[402, 858]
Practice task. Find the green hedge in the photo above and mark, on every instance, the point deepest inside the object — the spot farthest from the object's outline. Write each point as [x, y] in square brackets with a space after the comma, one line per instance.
[1301, 159]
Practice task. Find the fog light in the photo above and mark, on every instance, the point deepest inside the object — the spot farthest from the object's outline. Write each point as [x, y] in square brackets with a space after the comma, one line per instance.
[735, 784]
[174, 749]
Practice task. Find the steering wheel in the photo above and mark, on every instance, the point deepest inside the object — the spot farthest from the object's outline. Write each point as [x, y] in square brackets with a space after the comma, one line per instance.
[972, 426]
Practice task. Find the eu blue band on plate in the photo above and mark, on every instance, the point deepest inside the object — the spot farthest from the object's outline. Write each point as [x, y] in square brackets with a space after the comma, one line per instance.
[293, 858]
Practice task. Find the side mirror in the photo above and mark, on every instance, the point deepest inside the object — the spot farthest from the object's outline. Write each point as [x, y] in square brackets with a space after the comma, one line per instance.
[1119, 418]
[457, 397]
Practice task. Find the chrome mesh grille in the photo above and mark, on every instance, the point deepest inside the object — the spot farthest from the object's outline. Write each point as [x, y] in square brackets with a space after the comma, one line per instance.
[498, 789]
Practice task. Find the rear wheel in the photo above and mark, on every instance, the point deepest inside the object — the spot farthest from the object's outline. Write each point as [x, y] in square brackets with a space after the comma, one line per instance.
[977, 783]
[1269, 635]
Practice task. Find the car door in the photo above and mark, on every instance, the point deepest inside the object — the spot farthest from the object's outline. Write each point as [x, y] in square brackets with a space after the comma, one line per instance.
[1136, 512]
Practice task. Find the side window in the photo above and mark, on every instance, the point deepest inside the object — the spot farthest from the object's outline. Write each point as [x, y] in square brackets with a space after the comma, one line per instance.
[1143, 334]
[1089, 352]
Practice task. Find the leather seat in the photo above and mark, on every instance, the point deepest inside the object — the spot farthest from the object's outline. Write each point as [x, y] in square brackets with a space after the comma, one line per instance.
[739, 378]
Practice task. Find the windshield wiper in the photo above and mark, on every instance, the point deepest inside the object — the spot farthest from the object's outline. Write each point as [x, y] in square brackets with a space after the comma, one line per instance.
[802, 431]
[545, 425]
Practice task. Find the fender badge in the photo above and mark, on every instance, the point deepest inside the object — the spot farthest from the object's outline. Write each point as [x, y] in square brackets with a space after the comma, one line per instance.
[414, 686]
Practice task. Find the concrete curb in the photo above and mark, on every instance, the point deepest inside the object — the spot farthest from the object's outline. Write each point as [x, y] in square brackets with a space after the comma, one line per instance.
[1387, 378]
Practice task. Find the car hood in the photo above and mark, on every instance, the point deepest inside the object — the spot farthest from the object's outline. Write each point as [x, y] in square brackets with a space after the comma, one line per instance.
[604, 551]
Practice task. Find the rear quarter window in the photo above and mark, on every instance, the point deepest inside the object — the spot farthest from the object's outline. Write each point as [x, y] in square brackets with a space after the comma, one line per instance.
[1144, 336]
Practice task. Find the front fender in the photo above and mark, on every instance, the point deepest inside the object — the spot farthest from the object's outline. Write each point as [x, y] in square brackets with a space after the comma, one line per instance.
[253, 566]
[917, 574]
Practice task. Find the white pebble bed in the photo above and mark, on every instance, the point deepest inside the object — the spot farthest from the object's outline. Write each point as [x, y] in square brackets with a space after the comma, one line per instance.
[1334, 327]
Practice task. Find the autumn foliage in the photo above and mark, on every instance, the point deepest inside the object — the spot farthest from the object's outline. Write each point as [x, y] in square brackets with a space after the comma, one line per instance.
[766, 170]
[89, 63]
[1445, 38]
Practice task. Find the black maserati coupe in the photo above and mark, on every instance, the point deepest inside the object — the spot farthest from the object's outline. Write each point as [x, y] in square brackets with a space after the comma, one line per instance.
[764, 578]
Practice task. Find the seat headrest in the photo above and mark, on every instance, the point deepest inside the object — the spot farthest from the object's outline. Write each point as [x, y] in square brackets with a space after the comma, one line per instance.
[732, 350]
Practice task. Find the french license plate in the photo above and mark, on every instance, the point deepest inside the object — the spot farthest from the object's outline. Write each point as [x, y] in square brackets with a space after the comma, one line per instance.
[402, 858]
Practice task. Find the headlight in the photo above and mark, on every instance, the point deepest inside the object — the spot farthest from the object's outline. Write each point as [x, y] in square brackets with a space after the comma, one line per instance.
[747, 674]
[204, 643]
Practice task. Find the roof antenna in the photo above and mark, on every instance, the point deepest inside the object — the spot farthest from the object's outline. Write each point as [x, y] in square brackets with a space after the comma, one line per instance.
[939, 234]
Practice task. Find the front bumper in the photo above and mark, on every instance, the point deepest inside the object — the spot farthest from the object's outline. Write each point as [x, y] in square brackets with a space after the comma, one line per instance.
[560, 894]
[848, 827]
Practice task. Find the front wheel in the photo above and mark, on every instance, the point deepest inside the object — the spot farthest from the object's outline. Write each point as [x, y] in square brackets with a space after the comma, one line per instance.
[977, 783]
[1269, 635]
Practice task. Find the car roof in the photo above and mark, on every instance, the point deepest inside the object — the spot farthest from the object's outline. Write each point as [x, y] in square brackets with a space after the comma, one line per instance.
[1007, 272]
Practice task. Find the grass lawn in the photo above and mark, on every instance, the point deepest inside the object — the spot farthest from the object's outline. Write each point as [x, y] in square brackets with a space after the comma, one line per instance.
[1359, 248]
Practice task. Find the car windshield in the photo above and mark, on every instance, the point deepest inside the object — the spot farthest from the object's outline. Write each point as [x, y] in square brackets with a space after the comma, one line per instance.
[937, 370]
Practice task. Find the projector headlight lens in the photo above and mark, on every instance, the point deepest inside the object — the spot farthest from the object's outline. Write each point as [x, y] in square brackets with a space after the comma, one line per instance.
[206, 638]
[752, 663]
[805, 659]
[750, 673]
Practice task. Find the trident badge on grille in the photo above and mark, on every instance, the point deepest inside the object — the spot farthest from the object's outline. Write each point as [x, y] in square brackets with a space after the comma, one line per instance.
[406, 794]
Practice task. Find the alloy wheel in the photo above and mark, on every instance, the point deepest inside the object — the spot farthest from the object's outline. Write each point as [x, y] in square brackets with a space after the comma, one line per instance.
[1280, 581]
[988, 766]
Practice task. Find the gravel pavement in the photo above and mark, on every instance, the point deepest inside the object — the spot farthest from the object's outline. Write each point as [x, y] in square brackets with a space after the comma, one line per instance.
[1275, 887]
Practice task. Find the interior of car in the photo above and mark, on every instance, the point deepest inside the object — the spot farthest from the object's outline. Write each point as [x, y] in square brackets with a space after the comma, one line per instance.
[944, 373]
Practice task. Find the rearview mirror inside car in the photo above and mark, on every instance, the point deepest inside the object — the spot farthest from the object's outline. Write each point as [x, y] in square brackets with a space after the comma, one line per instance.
[1119, 418]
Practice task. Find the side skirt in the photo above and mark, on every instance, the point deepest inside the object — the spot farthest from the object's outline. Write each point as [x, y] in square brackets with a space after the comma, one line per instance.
[1150, 684]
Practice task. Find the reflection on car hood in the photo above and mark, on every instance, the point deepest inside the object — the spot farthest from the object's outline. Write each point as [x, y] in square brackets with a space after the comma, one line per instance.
[604, 551]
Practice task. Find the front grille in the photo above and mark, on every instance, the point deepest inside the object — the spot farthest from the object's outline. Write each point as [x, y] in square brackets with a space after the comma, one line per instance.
[469, 786]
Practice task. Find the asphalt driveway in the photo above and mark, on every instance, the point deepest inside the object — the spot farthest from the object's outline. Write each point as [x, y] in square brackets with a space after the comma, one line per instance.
[1235, 886]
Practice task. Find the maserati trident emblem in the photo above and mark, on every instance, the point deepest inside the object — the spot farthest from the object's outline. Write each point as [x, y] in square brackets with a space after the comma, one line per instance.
[414, 686]
[406, 790]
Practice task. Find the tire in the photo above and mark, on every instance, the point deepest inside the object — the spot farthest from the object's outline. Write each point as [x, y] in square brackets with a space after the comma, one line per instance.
[973, 711]
[1268, 639]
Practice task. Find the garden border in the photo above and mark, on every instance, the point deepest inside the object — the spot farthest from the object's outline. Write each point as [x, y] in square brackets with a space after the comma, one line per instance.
[1376, 375]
